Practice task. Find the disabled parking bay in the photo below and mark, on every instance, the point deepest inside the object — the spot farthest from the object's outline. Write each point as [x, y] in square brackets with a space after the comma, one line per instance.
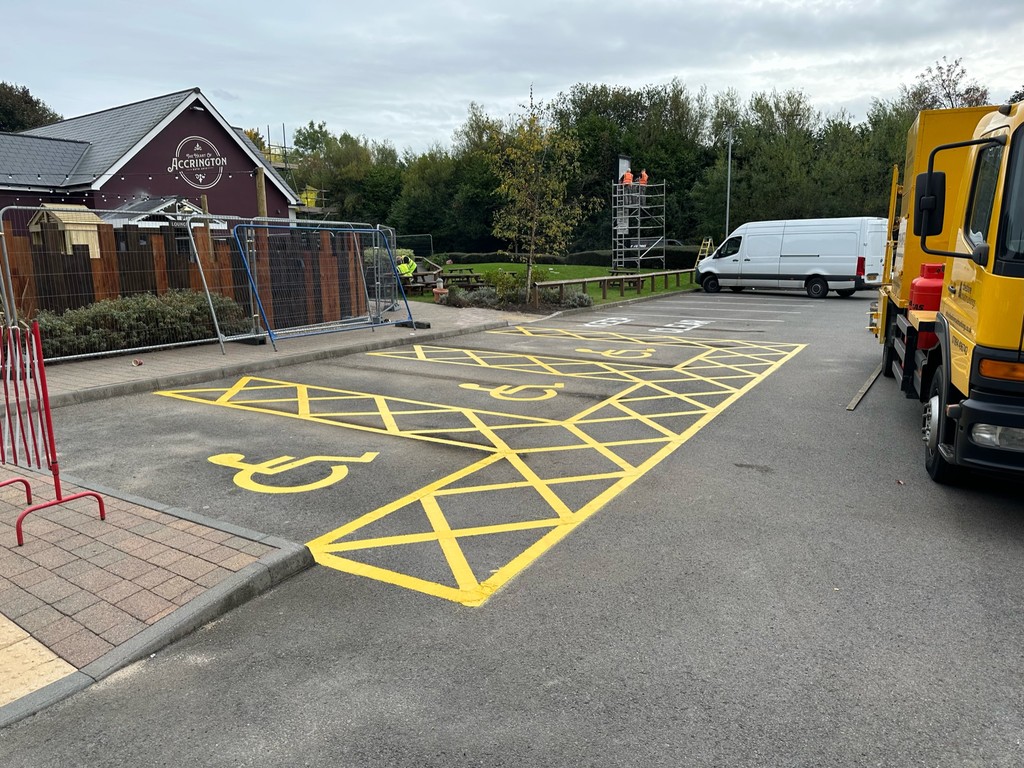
[444, 468]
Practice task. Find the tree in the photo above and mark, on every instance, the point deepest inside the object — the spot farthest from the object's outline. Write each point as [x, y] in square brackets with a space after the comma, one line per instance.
[534, 167]
[424, 204]
[312, 138]
[944, 86]
[382, 183]
[256, 138]
[20, 110]
[475, 199]
[1017, 95]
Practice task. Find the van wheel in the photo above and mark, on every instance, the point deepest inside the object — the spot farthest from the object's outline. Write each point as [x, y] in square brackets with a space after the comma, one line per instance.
[936, 429]
[736, 288]
[817, 288]
[710, 284]
[844, 292]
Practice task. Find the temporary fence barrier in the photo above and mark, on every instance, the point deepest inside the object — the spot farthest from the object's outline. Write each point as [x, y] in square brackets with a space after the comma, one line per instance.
[322, 277]
[226, 278]
[26, 424]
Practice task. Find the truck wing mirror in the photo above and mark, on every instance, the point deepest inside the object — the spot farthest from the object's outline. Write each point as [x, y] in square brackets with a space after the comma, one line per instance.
[980, 255]
[929, 203]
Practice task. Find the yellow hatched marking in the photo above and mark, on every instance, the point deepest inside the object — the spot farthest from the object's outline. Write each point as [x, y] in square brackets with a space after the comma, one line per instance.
[420, 538]
[730, 369]
[450, 545]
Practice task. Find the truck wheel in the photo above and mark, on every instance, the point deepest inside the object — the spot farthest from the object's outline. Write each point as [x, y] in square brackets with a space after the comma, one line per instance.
[710, 284]
[817, 288]
[844, 292]
[935, 429]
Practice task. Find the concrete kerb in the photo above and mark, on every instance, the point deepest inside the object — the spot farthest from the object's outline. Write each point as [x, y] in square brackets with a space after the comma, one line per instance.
[274, 360]
[287, 559]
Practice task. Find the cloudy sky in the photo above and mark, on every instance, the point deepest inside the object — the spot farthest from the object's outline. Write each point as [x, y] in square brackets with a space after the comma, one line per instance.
[406, 71]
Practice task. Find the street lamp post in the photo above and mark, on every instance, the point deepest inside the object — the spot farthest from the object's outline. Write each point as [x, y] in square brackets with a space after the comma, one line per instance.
[728, 184]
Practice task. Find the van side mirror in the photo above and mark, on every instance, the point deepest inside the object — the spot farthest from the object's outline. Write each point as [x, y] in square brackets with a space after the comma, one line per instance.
[929, 203]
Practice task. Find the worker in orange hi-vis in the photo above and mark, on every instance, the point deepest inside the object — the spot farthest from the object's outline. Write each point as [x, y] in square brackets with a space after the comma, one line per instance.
[642, 184]
[627, 182]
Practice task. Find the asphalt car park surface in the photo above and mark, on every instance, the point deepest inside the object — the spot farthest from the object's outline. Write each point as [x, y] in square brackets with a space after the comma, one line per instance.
[689, 553]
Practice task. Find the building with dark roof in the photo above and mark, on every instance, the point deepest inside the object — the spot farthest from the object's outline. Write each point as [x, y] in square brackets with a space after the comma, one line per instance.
[174, 146]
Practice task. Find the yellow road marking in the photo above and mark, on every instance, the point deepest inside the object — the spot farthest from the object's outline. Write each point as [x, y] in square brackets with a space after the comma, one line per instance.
[672, 402]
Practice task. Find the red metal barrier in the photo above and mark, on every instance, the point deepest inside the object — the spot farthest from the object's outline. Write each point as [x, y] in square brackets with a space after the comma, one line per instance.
[26, 439]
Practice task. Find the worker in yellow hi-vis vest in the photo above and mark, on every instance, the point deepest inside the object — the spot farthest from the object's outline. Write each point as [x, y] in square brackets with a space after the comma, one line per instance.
[406, 266]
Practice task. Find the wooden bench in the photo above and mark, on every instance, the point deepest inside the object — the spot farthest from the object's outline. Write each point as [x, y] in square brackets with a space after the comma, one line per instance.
[463, 278]
[411, 286]
[420, 281]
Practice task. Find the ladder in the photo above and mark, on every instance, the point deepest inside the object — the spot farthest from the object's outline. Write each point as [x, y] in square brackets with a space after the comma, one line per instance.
[706, 247]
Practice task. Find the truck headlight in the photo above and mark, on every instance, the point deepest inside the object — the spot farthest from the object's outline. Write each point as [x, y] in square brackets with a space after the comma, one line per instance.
[992, 436]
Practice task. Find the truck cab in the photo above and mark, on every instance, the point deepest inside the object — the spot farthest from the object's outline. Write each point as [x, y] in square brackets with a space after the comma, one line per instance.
[969, 375]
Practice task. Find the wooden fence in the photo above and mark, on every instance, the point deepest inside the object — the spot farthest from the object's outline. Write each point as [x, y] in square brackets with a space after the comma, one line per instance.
[305, 277]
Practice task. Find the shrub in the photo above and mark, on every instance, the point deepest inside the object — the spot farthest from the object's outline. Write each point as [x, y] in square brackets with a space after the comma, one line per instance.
[507, 285]
[144, 320]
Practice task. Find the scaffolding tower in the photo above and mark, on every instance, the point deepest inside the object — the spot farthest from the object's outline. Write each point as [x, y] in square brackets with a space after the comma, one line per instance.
[638, 226]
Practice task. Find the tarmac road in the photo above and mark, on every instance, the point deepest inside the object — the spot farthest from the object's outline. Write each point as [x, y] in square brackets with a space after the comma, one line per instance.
[785, 587]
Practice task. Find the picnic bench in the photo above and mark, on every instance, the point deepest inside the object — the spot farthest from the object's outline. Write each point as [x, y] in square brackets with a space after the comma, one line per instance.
[422, 279]
[463, 277]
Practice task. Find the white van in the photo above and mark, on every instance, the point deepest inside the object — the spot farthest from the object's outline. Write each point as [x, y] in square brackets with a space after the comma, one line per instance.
[817, 255]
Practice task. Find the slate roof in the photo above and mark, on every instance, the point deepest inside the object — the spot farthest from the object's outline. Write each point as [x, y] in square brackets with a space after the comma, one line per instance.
[111, 133]
[33, 161]
[78, 151]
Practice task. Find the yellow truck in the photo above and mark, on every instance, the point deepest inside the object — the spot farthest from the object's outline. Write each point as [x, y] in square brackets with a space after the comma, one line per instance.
[950, 314]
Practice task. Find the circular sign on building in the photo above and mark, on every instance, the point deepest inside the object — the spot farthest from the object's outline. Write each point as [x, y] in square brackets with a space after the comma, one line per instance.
[198, 162]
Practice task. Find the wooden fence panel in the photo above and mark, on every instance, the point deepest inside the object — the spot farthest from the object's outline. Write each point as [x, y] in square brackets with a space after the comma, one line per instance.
[103, 271]
[23, 277]
[329, 276]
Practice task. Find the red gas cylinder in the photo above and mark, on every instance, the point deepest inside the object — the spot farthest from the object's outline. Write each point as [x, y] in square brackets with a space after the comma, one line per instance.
[926, 294]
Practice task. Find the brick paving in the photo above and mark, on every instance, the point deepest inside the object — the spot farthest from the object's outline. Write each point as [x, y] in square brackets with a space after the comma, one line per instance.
[81, 586]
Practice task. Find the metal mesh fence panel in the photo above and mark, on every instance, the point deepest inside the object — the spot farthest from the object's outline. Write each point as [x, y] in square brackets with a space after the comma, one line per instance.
[103, 282]
[319, 277]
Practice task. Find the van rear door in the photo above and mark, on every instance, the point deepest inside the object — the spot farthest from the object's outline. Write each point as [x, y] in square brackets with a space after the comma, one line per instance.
[873, 250]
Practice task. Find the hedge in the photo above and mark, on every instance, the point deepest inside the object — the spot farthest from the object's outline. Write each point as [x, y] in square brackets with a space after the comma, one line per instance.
[144, 320]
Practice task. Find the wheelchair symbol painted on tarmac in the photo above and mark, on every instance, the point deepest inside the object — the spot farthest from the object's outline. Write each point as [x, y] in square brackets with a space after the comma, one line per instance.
[508, 392]
[620, 354]
[244, 478]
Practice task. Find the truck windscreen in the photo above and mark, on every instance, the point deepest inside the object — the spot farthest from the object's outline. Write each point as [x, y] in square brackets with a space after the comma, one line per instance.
[1011, 227]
